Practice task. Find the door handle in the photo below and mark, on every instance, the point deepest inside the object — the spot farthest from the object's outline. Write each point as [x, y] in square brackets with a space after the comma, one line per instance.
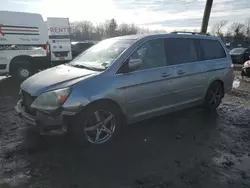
[165, 75]
[180, 72]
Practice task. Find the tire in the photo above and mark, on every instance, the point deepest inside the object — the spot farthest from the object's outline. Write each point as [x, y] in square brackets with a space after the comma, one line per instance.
[214, 96]
[21, 70]
[106, 120]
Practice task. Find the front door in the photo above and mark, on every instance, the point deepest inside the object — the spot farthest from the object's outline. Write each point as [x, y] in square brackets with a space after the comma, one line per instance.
[145, 87]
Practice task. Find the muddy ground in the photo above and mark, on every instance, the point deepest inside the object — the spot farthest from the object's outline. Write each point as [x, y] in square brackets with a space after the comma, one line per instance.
[184, 149]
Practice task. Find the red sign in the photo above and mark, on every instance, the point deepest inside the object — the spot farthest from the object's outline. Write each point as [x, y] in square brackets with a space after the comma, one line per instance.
[1, 33]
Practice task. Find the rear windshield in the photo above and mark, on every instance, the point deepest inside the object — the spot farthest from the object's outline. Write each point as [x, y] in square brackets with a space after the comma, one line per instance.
[237, 50]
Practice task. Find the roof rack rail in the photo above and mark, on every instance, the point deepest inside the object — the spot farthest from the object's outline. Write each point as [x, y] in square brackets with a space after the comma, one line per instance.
[188, 32]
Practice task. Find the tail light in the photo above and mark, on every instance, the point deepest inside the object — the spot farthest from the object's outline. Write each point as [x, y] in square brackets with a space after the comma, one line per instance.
[46, 47]
[232, 66]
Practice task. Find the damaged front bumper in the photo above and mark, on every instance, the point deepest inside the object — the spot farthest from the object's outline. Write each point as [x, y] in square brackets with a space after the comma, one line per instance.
[46, 123]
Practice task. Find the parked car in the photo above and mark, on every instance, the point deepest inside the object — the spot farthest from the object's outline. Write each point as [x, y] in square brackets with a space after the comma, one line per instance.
[246, 69]
[24, 46]
[240, 55]
[79, 47]
[126, 79]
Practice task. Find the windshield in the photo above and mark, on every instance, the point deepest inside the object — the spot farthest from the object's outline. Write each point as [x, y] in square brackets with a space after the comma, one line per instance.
[237, 50]
[102, 55]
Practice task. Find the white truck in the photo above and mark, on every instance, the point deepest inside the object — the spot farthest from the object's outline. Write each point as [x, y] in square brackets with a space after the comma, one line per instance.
[59, 40]
[24, 46]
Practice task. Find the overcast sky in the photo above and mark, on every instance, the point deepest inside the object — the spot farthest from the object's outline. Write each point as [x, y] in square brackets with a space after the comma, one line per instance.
[155, 14]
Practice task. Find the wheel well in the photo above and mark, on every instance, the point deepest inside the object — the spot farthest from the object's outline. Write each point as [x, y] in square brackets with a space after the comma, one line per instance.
[222, 84]
[110, 102]
[19, 58]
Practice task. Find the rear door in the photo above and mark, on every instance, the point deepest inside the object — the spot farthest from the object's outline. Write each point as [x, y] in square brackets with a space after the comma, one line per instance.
[60, 48]
[190, 79]
[59, 39]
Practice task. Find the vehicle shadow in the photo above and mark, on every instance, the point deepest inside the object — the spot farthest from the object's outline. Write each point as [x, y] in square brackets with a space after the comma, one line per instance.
[9, 87]
[162, 145]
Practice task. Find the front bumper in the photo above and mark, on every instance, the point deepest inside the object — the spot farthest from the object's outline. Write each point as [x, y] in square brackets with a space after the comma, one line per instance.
[27, 118]
[46, 124]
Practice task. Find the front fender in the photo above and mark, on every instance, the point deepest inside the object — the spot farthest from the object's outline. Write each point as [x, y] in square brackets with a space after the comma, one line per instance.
[74, 104]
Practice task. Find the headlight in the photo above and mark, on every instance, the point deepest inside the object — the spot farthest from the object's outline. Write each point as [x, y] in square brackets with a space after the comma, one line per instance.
[51, 100]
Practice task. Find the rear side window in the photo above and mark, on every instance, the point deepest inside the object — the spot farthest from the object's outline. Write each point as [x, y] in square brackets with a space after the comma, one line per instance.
[180, 51]
[212, 49]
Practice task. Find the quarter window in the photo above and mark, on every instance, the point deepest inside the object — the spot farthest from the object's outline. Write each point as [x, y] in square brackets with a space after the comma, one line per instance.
[152, 54]
[180, 51]
[212, 49]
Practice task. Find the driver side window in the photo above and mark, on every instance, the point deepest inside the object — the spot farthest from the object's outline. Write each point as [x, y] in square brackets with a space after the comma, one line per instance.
[152, 54]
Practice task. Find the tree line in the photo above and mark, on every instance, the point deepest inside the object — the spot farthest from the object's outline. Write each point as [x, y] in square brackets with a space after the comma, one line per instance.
[86, 30]
[235, 33]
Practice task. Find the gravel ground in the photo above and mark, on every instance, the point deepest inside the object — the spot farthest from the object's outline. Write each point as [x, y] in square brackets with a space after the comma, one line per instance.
[182, 149]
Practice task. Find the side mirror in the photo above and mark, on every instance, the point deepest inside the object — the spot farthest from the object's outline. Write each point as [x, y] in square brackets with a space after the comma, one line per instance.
[134, 64]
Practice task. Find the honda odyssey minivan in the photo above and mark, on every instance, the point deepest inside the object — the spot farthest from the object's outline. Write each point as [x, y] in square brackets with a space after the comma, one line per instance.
[126, 79]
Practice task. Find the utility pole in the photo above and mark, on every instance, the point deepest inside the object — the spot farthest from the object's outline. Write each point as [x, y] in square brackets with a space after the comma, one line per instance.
[206, 16]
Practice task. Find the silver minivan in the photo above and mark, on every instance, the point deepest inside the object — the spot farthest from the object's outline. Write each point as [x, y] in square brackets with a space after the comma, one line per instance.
[126, 79]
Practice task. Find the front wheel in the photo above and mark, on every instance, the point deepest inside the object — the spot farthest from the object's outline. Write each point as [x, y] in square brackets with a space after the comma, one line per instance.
[214, 96]
[98, 124]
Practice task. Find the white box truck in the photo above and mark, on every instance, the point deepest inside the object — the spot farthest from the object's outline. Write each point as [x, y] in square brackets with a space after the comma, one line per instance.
[24, 46]
[59, 40]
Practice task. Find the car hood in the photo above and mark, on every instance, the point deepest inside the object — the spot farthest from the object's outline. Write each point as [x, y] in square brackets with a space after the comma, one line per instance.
[55, 78]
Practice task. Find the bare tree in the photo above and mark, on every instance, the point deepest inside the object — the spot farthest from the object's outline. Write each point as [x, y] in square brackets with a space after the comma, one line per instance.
[248, 28]
[237, 29]
[111, 27]
[217, 28]
[82, 30]
[99, 31]
[127, 29]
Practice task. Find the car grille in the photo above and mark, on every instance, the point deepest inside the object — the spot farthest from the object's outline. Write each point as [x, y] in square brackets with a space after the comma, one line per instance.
[27, 101]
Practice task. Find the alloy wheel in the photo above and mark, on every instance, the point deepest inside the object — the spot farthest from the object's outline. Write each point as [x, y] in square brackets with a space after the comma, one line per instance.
[215, 95]
[99, 127]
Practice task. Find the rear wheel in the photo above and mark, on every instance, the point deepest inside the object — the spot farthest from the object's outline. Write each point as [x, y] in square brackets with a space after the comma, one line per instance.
[214, 96]
[21, 70]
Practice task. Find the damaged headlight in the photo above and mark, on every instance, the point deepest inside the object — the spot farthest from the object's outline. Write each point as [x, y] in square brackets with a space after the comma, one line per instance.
[51, 100]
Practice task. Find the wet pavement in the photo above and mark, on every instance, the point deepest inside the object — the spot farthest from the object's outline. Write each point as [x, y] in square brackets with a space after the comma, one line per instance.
[184, 149]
